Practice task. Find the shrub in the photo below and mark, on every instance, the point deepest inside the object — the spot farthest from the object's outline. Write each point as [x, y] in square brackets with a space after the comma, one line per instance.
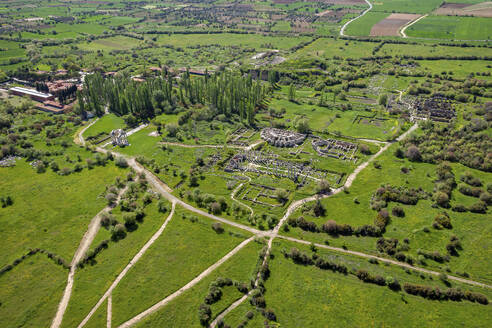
[459, 208]
[119, 232]
[398, 211]
[318, 209]
[443, 220]
[323, 187]
[392, 283]
[111, 198]
[478, 207]
[282, 195]
[486, 197]
[215, 208]
[413, 153]
[40, 168]
[54, 166]
[217, 227]
[306, 225]
[441, 199]
[162, 206]
[270, 315]
[205, 314]
[364, 149]
[130, 220]
[121, 162]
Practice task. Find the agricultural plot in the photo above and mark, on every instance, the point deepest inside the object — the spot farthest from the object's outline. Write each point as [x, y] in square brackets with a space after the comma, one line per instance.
[483, 9]
[406, 6]
[363, 25]
[350, 175]
[391, 25]
[452, 27]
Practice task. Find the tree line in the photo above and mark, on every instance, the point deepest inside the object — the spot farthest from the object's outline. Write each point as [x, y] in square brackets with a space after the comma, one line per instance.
[224, 92]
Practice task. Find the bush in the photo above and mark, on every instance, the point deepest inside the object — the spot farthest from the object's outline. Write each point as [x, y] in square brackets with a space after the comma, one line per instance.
[443, 220]
[413, 153]
[54, 166]
[478, 207]
[40, 168]
[217, 227]
[215, 208]
[121, 162]
[282, 195]
[119, 232]
[270, 315]
[205, 314]
[364, 149]
[398, 211]
[323, 187]
[392, 283]
[459, 208]
[130, 220]
[441, 199]
[162, 206]
[486, 197]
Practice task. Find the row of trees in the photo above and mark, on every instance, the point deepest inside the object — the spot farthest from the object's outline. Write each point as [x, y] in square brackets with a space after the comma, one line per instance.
[225, 92]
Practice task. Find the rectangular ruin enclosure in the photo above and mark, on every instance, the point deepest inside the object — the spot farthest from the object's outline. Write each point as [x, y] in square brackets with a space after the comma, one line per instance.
[391, 25]
[483, 9]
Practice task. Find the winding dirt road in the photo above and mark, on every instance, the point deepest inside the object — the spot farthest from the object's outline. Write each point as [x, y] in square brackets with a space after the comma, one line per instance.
[84, 245]
[342, 30]
[386, 260]
[402, 31]
[164, 190]
[135, 259]
[189, 285]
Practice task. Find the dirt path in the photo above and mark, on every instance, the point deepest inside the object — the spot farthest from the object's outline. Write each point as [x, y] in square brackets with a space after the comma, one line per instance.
[342, 30]
[151, 178]
[79, 137]
[386, 260]
[135, 259]
[295, 205]
[234, 192]
[198, 146]
[402, 31]
[109, 314]
[186, 287]
[129, 133]
[84, 246]
[164, 190]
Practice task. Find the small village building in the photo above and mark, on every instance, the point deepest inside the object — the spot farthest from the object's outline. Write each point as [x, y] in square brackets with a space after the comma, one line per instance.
[33, 94]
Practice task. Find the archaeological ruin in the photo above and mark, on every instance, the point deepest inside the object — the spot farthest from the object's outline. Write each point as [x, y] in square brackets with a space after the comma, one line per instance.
[282, 138]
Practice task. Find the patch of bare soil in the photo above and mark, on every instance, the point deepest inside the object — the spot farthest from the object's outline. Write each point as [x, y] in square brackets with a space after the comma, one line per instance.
[391, 25]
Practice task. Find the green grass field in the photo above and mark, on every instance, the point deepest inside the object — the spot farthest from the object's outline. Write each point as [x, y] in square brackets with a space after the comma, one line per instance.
[29, 294]
[105, 125]
[295, 293]
[183, 311]
[362, 26]
[471, 228]
[452, 27]
[406, 6]
[63, 206]
[184, 250]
